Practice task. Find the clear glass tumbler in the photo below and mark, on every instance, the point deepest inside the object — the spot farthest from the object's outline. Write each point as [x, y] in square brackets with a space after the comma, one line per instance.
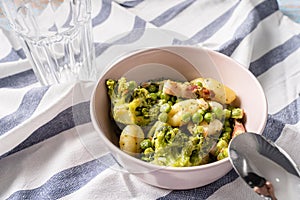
[56, 36]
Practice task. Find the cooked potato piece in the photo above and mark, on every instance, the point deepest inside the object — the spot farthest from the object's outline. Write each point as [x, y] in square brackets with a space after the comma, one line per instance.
[186, 107]
[130, 139]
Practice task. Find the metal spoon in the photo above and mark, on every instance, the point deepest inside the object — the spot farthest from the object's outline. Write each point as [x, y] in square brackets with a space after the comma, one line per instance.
[265, 167]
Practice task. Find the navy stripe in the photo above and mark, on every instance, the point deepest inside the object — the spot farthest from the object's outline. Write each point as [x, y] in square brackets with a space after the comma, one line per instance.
[210, 29]
[67, 181]
[130, 4]
[136, 33]
[19, 80]
[171, 13]
[201, 193]
[13, 55]
[275, 56]
[256, 15]
[27, 107]
[67, 119]
[276, 122]
[273, 129]
[103, 13]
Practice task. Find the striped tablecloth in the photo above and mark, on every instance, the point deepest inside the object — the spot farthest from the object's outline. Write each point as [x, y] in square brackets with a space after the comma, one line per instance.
[48, 147]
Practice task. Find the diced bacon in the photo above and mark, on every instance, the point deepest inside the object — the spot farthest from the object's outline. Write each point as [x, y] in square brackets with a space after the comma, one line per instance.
[238, 128]
[184, 90]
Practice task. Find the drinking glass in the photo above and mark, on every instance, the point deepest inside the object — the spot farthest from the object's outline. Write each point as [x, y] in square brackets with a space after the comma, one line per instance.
[56, 36]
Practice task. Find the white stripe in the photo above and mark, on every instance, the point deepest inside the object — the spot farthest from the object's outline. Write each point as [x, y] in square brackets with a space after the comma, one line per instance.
[5, 46]
[152, 37]
[112, 184]
[11, 68]
[7, 94]
[40, 162]
[281, 83]
[96, 7]
[69, 94]
[291, 146]
[289, 141]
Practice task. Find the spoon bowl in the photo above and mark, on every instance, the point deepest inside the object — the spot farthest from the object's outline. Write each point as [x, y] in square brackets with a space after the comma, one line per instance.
[263, 165]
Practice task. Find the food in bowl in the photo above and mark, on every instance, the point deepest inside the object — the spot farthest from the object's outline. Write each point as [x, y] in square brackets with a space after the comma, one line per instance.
[179, 63]
[173, 123]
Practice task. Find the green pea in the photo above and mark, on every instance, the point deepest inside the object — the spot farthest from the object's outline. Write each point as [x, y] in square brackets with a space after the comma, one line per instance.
[163, 117]
[227, 113]
[178, 100]
[227, 123]
[198, 130]
[186, 117]
[171, 103]
[222, 144]
[197, 118]
[158, 93]
[223, 154]
[228, 129]
[165, 96]
[153, 96]
[201, 111]
[226, 136]
[162, 101]
[208, 117]
[218, 112]
[165, 108]
[199, 84]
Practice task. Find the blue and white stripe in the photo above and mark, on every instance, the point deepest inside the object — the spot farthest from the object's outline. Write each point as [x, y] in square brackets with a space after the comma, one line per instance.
[48, 147]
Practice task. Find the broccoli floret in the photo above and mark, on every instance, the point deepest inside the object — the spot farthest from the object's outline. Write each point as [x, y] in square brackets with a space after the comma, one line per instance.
[237, 113]
[120, 93]
[131, 104]
[172, 149]
[167, 143]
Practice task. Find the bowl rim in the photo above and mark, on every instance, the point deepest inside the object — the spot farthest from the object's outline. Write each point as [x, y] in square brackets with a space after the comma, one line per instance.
[110, 145]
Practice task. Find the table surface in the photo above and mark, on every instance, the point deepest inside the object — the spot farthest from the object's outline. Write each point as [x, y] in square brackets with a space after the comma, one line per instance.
[48, 146]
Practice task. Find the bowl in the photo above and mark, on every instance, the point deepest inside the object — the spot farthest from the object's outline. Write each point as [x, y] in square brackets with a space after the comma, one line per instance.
[180, 63]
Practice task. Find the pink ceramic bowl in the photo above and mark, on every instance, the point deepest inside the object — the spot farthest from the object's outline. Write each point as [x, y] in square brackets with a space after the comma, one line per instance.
[181, 63]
